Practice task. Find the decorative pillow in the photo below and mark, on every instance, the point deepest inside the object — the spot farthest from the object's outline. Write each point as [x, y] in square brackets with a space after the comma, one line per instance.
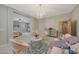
[60, 44]
[76, 47]
[67, 35]
[56, 39]
[56, 50]
[72, 40]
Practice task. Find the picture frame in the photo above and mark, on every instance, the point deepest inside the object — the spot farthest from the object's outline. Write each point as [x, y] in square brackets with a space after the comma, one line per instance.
[52, 32]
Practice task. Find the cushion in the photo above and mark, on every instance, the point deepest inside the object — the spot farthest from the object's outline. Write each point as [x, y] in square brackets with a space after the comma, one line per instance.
[76, 47]
[56, 50]
[67, 35]
[72, 40]
[60, 44]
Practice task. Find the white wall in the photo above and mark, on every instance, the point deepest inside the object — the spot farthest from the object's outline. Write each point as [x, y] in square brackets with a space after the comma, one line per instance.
[3, 25]
[75, 17]
[10, 23]
[35, 25]
[13, 16]
[52, 22]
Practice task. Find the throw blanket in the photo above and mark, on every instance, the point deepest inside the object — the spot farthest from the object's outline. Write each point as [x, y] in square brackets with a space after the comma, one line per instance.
[38, 47]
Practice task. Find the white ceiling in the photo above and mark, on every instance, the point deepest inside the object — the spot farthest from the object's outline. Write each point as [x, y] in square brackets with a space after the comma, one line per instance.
[43, 11]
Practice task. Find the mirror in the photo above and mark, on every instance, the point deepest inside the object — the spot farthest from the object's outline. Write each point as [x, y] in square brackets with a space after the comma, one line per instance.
[20, 26]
